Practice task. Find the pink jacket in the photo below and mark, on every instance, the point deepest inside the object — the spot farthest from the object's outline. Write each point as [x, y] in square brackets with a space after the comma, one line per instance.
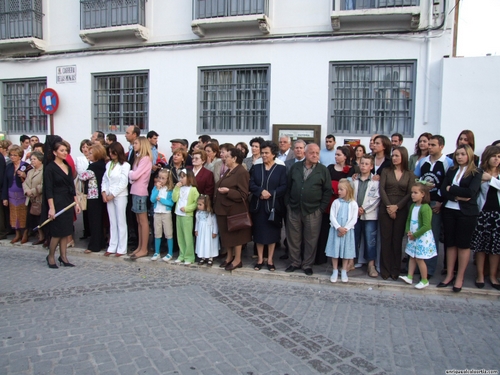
[139, 177]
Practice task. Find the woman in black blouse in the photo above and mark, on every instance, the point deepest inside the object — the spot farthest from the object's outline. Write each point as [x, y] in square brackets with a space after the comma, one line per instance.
[59, 192]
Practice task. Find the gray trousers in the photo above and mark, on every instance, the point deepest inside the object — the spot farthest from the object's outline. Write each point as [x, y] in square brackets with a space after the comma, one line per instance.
[302, 229]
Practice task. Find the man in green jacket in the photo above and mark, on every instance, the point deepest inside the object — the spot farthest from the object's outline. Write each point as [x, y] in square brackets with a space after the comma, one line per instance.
[308, 194]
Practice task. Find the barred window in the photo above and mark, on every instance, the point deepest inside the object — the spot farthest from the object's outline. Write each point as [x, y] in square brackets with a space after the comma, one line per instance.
[228, 8]
[120, 100]
[21, 113]
[234, 100]
[374, 97]
[21, 19]
[375, 4]
[108, 13]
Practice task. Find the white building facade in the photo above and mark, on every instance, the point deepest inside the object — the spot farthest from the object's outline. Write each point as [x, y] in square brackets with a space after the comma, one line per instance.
[233, 69]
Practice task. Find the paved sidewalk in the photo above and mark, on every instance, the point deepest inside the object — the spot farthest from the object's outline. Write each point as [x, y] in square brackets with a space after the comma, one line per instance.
[111, 316]
[321, 275]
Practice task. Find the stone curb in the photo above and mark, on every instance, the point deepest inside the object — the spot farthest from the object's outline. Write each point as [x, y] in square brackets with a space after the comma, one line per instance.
[296, 277]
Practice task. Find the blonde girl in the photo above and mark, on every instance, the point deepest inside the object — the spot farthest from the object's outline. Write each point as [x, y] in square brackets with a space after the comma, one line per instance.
[206, 232]
[161, 198]
[421, 243]
[139, 179]
[185, 195]
[343, 218]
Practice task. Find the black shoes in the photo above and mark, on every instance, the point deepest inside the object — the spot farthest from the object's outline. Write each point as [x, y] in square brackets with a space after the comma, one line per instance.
[308, 271]
[284, 257]
[50, 265]
[66, 264]
[479, 285]
[443, 285]
[291, 268]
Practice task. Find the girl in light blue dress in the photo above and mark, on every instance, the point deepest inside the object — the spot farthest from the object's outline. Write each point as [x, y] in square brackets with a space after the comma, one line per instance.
[421, 243]
[343, 218]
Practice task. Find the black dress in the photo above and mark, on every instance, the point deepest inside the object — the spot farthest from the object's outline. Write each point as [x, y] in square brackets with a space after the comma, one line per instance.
[274, 181]
[95, 207]
[60, 187]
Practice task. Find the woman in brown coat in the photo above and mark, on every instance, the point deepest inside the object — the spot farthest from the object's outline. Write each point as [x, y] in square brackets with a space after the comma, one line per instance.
[230, 198]
[395, 189]
[32, 187]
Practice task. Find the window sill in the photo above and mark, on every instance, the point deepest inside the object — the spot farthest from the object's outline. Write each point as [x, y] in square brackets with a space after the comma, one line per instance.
[255, 22]
[368, 20]
[22, 45]
[93, 36]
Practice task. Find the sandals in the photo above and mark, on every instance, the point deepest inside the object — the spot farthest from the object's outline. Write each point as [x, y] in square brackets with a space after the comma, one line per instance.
[210, 263]
[201, 262]
[258, 266]
[271, 267]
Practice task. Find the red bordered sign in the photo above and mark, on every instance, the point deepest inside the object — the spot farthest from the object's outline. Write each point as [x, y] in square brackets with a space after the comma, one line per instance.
[48, 101]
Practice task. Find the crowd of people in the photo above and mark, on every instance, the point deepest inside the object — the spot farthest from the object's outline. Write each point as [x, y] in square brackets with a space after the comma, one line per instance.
[376, 206]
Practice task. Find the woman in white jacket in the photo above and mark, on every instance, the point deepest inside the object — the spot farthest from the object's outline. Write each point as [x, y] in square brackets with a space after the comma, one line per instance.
[114, 193]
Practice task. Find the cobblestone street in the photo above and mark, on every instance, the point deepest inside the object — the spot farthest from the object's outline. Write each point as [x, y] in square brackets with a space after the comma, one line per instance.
[108, 316]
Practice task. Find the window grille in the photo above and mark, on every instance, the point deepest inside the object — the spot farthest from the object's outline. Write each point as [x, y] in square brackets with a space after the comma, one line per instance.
[368, 98]
[226, 8]
[234, 100]
[21, 19]
[120, 100]
[375, 4]
[21, 113]
[107, 13]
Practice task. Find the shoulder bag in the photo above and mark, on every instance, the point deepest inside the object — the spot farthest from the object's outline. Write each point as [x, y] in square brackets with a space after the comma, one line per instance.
[80, 195]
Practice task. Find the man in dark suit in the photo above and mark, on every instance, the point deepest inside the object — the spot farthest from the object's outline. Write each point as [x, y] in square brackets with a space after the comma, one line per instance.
[299, 147]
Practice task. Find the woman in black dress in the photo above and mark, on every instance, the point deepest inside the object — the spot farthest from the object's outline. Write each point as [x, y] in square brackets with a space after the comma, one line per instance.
[95, 204]
[268, 187]
[59, 192]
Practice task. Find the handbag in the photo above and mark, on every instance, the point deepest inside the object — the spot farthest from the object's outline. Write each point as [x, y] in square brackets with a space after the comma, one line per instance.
[274, 217]
[36, 208]
[81, 196]
[239, 221]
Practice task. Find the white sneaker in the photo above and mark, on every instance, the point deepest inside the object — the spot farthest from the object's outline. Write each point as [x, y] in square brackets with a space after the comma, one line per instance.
[167, 258]
[344, 277]
[187, 263]
[407, 280]
[335, 276]
[421, 285]
[178, 261]
[155, 257]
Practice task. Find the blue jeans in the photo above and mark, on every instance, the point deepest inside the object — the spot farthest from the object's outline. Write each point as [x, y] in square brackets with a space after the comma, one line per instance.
[367, 228]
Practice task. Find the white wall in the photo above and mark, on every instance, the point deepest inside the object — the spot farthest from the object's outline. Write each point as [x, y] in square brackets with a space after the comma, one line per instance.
[471, 100]
[299, 68]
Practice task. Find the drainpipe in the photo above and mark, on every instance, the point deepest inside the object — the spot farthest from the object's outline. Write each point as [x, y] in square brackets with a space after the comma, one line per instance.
[428, 65]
